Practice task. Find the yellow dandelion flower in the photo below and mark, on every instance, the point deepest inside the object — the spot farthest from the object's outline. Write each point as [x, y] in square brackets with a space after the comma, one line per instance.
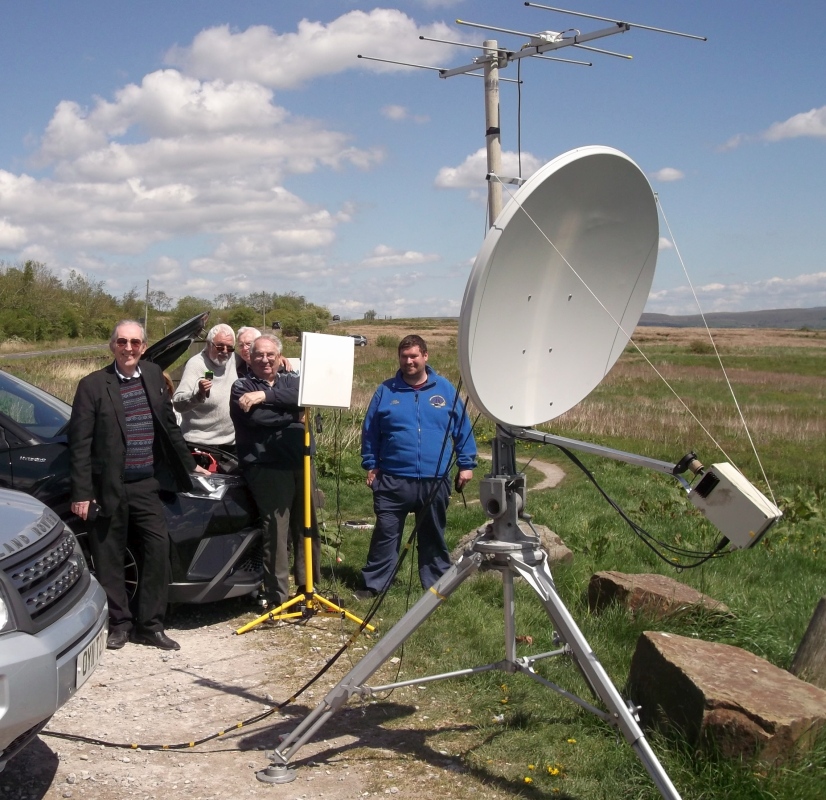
[531, 766]
[571, 741]
[528, 779]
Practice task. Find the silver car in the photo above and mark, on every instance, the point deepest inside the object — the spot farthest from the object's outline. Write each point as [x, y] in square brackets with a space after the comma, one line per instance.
[53, 619]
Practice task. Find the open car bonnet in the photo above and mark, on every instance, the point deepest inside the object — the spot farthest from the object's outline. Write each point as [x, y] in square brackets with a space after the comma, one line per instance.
[166, 351]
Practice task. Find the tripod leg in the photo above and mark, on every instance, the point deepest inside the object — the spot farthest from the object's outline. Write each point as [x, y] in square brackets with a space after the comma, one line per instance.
[510, 621]
[353, 681]
[540, 579]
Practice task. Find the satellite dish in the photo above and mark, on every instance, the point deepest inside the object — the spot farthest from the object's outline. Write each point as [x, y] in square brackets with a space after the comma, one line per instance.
[535, 339]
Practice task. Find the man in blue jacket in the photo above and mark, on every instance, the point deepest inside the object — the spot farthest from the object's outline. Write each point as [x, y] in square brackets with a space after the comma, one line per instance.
[414, 425]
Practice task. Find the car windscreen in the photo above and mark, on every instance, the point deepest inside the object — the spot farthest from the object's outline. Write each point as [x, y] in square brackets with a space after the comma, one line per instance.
[40, 413]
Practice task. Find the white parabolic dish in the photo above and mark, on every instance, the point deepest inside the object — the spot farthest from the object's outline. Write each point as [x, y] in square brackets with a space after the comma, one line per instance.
[534, 339]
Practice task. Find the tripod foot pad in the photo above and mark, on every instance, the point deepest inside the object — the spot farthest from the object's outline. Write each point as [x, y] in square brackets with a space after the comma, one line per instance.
[276, 773]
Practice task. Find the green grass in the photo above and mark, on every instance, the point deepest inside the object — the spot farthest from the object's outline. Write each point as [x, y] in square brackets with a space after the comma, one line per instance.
[772, 589]
[499, 725]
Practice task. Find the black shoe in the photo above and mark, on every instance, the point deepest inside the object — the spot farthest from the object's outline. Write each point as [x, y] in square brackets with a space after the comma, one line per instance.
[364, 594]
[155, 639]
[116, 639]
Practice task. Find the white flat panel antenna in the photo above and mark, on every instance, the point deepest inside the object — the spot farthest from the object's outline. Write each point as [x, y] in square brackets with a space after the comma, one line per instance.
[558, 286]
[326, 371]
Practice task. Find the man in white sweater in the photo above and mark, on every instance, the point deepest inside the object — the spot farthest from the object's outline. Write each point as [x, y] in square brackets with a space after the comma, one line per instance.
[202, 396]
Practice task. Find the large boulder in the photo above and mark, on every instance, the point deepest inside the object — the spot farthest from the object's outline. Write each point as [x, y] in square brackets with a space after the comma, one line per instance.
[654, 596]
[716, 693]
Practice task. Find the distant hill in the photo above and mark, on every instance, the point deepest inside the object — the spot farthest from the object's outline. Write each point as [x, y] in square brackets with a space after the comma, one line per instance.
[792, 318]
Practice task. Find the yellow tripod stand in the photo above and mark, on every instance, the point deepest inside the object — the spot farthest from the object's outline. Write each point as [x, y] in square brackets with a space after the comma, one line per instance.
[308, 603]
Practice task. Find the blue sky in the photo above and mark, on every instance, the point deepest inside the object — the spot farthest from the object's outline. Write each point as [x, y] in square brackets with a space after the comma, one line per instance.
[214, 147]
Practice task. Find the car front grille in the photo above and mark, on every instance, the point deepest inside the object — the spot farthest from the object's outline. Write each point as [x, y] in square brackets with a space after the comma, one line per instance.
[253, 562]
[46, 575]
[14, 746]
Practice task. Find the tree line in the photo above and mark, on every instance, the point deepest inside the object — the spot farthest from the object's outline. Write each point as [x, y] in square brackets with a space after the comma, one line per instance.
[35, 306]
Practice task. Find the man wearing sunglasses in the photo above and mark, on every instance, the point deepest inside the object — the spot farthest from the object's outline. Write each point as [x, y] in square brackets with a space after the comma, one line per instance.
[124, 447]
[202, 396]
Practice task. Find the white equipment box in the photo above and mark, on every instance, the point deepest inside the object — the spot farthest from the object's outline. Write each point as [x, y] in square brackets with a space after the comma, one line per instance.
[735, 507]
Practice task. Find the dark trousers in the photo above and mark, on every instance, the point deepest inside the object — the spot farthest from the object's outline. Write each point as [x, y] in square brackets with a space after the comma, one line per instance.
[140, 512]
[393, 499]
[279, 495]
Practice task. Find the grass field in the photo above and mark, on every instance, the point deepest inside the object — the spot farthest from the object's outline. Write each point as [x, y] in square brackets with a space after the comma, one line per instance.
[505, 729]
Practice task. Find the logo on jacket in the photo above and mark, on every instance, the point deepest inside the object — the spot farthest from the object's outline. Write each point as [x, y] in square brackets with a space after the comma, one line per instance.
[437, 401]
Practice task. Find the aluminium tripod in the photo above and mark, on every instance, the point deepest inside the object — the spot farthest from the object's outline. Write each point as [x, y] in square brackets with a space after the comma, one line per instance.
[509, 545]
[308, 603]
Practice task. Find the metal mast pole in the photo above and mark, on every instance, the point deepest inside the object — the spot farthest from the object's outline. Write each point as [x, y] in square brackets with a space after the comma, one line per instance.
[492, 132]
[504, 446]
[146, 311]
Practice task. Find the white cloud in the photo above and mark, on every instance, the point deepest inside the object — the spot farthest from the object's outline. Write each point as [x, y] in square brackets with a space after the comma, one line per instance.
[470, 174]
[402, 114]
[665, 244]
[11, 236]
[396, 113]
[809, 123]
[734, 142]
[667, 174]
[800, 291]
[175, 157]
[384, 256]
[392, 297]
[289, 60]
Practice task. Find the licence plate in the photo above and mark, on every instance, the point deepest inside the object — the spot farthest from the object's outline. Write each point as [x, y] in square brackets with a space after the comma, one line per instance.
[89, 658]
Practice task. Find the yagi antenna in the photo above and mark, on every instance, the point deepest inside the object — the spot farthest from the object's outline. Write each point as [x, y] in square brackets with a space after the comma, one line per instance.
[494, 58]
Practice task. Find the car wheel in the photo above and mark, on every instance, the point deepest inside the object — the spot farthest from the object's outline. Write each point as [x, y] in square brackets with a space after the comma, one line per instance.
[130, 565]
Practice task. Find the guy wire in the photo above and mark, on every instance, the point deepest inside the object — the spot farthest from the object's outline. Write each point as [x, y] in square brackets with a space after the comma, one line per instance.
[716, 352]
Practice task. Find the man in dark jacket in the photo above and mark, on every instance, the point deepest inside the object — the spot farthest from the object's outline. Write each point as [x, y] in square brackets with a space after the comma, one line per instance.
[124, 446]
[269, 437]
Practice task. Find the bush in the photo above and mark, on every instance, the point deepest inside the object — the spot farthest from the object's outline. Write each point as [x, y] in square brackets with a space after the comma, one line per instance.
[700, 347]
[387, 341]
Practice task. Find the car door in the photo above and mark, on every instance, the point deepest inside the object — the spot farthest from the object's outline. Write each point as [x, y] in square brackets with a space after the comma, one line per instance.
[34, 455]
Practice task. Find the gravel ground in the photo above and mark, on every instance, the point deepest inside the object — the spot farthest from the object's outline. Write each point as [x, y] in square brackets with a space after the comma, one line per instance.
[148, 696]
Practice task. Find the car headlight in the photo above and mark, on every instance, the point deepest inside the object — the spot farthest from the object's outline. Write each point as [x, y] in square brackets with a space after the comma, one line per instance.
[6, 621]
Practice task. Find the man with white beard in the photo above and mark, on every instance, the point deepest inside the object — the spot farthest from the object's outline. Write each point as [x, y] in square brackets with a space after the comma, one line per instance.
[203, 394]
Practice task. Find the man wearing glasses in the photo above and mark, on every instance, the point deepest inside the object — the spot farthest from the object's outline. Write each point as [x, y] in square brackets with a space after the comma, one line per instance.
[202, 396]
[243, 355]
[124, 446]
[269, 431]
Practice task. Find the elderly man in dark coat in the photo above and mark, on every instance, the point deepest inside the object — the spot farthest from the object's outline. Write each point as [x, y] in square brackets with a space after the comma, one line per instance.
[124, 446]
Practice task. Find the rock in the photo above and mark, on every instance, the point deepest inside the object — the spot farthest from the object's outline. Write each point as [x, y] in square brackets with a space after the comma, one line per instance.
[809, 662]
[551, 543]
[721, 695]
[655, 596]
